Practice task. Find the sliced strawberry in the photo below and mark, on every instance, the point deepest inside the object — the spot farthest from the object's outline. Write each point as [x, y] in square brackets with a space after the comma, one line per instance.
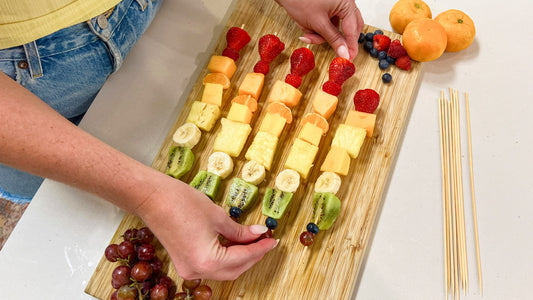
[381, 42]
[293, 80]
[366, 100]
[403, 62]
[302, 61]
[396, 49]
[237, 38]
[261, 67]
[332, 88]
[340, 70]
[231, 53]
[270, 46]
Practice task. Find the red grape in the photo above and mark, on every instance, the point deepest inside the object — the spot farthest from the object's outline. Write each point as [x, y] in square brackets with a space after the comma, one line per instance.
[190, 284]
[126, 292]
[181, 296]
[144, 235]
[159, 292]
[202, 292]
[120, 276]
[266, 235]
[156, 264]
[130, 234]
[307, 238]
[114, 295]
[141, 271]
[146, 286]
[126, 249]
[166, 281]
[146, 252]
[111, 253]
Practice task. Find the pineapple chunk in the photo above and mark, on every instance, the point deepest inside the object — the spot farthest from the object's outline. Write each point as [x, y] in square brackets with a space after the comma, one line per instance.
[284, 93]
[252, 85]
[222, 64]
[232, 137]
[301, 157]
[337, 161]
[311, 133]
[349, 138]
[203, 115]
[262, 149]
[240, 113]
[362, 120]
[273, 124]
[213, 93]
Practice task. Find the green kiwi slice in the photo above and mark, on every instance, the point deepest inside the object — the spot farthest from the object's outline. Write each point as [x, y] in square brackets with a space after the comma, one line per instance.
[326, 208]
[207, 183]
[180, 161]
[275, 202]
[241, 194]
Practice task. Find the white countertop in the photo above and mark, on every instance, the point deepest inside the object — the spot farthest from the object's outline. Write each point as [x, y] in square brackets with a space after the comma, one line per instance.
[57, 244]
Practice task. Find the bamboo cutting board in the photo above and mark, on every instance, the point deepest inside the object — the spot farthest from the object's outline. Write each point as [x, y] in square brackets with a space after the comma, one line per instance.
[329, 268]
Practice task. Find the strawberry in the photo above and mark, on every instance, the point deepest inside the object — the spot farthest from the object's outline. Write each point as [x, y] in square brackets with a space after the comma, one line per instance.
[237, 38]
[332, 88]
[270, 47]
[302, 61]
[261, 67]
[231, 53]
[293, 80]
[340, 70]
[381, 42]
[403, 62]
[366, 100]
[396, 49]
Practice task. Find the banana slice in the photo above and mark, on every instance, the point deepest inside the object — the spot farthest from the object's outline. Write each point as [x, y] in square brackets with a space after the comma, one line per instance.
[253, 172]
[328, 182]
[288, 181]
[220, 163]
[187, 135]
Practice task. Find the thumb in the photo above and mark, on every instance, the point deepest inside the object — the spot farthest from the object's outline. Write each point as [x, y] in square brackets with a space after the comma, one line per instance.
[238, 233]
[333, 36]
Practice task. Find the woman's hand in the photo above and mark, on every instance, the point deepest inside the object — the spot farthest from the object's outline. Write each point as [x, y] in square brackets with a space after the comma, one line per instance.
[319, 20]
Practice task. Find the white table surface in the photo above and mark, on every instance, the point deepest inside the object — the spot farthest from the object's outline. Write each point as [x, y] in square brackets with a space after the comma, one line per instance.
[57, 244]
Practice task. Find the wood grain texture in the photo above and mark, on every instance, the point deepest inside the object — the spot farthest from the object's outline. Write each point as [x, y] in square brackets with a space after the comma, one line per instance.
[328, 269]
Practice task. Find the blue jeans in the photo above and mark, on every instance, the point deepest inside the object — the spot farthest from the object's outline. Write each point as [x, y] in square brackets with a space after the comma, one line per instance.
[67, 69]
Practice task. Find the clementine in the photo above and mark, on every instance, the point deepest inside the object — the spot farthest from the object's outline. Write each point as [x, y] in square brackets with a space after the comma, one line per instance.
[317, 120]
[424, 39]
[405, 11]
[459, 27]
[219, 78]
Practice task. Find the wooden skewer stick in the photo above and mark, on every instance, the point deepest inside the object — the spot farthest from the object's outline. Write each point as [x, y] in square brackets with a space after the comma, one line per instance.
[444, 194]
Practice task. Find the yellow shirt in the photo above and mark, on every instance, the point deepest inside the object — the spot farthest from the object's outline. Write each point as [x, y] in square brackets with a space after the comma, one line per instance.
[23, 21]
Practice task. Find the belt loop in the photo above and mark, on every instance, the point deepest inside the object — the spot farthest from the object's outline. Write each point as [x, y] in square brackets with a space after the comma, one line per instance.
[142, 3]
[34, 60]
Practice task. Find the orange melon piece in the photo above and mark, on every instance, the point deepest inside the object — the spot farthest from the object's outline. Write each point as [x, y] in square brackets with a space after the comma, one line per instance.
[316, 120]
[252, 85]
[273, 124]
[360, 119]
[213, 93]
[284, 93]
[222, 64]
[324, 104]
[240, 113]
[246, 100]
[280, 109]
[219, 78]
[337, 161]
[311, 133]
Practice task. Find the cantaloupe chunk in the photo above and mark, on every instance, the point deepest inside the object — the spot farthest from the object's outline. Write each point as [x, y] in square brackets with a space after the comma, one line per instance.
[324, 104]
[222, 64]
[350, 138]
[284, 93]
[252, 85]
[301, 157]
[240, 113]
[361, 120]
[213, 94]
[337, 161]
[273, 124]
[311, 133]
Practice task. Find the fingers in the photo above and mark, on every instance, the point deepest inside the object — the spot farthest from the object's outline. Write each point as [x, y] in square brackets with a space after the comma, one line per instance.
[333, 36]
[238, 233]
[352, 25]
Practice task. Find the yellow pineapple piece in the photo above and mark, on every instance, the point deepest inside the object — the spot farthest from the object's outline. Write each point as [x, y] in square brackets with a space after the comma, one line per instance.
[240, 113]
[252, 85]
[232, 137]
[337, 161]
[273, 124]
[362, 120]
[284, 93]
[203, 115]
[349, 138]
[311, 133]
[301, 157]
[213, 93]
[222, 64]
[262, 149]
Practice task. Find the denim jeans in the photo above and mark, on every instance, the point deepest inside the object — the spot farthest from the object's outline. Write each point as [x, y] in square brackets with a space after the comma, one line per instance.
[67, 69]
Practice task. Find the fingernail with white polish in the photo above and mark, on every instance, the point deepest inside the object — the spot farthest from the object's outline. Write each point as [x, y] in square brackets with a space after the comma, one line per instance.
[305, 40]
[342, 51]
[277, 242]
[258, 229]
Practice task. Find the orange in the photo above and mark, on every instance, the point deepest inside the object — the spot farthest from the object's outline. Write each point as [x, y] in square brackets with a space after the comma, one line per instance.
[317, 120]
[246, 100]
[459, 28]
[280, 109]
[219, 78]
[424, 39]
[405, 11]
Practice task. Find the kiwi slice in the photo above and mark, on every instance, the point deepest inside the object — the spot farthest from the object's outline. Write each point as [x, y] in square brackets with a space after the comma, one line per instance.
[180, 160]
[326, 208]
[275, 202]
[207, 183]
[241, 194]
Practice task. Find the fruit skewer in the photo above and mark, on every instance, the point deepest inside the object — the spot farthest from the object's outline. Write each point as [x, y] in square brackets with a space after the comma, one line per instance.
[346, 144]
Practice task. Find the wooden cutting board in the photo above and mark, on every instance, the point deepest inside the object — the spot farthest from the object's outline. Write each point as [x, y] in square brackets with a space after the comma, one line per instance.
[330, 267]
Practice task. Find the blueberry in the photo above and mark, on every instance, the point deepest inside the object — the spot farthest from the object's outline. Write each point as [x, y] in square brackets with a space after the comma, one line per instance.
[382, 55]
[368, 46]
[369, 36]
[361, 38]
[271, 223]
[313, 228]
[383, 64]
[391, 60]
[235, 212]
[374, 52]
[386, 78]
[378, 31]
